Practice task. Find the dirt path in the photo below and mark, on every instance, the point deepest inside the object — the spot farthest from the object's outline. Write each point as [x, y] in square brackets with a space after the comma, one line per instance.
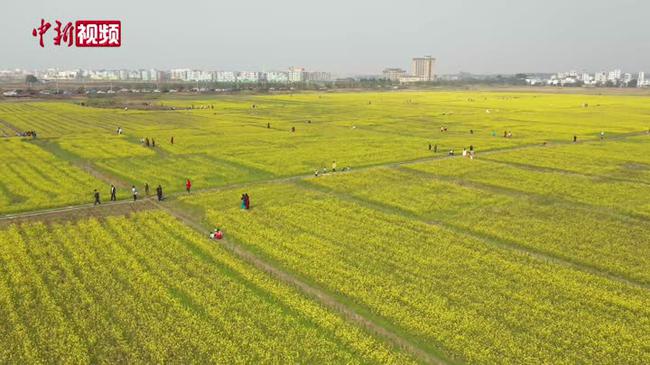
[74, 213]
[9, 126]
[279, 180]
[317, 294]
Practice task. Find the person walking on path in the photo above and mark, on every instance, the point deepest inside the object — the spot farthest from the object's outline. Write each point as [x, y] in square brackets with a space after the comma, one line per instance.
[134, 191]
[602, 135]
[247, 201]
[146, 189]
[435, 148]
[97, 197]
[113, 193]
[243, 201]
[429, 146]
[159, 193]
[333, 166]
[153, 142]
[575, 139]
[172, 140]
[188, 185]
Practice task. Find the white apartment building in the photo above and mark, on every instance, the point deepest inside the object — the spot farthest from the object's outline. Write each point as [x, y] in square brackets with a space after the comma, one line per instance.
[393, 74]
[248, 77]
[614, 75]
[627, 77]
[180, 74]
[296, 74]
[199, 75]
[226, 76]
[600, 77]
[318, 76]
[277, 77]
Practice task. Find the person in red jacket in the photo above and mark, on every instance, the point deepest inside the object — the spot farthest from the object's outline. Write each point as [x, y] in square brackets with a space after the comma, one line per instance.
[188, 185]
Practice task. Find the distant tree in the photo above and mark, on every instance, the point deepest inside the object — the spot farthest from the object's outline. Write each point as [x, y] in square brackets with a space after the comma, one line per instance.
[30, 79]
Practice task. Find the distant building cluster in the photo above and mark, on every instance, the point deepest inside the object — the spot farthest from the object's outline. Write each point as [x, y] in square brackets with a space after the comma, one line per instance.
[292, 75]
[603, 78]
[422, 70]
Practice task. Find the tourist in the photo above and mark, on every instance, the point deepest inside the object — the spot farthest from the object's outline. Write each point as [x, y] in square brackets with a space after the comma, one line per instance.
[159, 193]
[188, 185]
[97, 197]
[134, 191]
[113, 193]
[333, 166]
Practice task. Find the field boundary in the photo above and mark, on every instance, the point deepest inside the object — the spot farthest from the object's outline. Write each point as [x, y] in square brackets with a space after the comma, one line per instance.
[490, 240]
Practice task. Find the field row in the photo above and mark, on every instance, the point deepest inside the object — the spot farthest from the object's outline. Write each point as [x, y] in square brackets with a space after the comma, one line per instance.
[145, 289]
[474, 301]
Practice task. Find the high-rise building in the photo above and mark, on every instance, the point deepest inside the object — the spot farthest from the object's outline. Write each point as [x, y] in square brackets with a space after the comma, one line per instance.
[393, 74]
[640, 81]
[424, 68]
[600, 77]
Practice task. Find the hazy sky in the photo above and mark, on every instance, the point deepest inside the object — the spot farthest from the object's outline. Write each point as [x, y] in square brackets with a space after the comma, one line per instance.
[341, 36]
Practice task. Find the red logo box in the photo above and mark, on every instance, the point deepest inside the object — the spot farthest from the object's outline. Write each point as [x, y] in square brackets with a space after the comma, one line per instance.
[98, 33]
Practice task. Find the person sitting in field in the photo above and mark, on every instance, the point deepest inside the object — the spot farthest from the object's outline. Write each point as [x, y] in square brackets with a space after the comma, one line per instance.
[216, 235]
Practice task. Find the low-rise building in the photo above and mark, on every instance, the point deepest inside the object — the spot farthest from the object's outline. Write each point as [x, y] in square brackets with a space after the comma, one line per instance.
[393, 74]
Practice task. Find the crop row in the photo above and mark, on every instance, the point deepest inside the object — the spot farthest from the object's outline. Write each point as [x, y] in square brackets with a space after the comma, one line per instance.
[473, 301]
[145, 289]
